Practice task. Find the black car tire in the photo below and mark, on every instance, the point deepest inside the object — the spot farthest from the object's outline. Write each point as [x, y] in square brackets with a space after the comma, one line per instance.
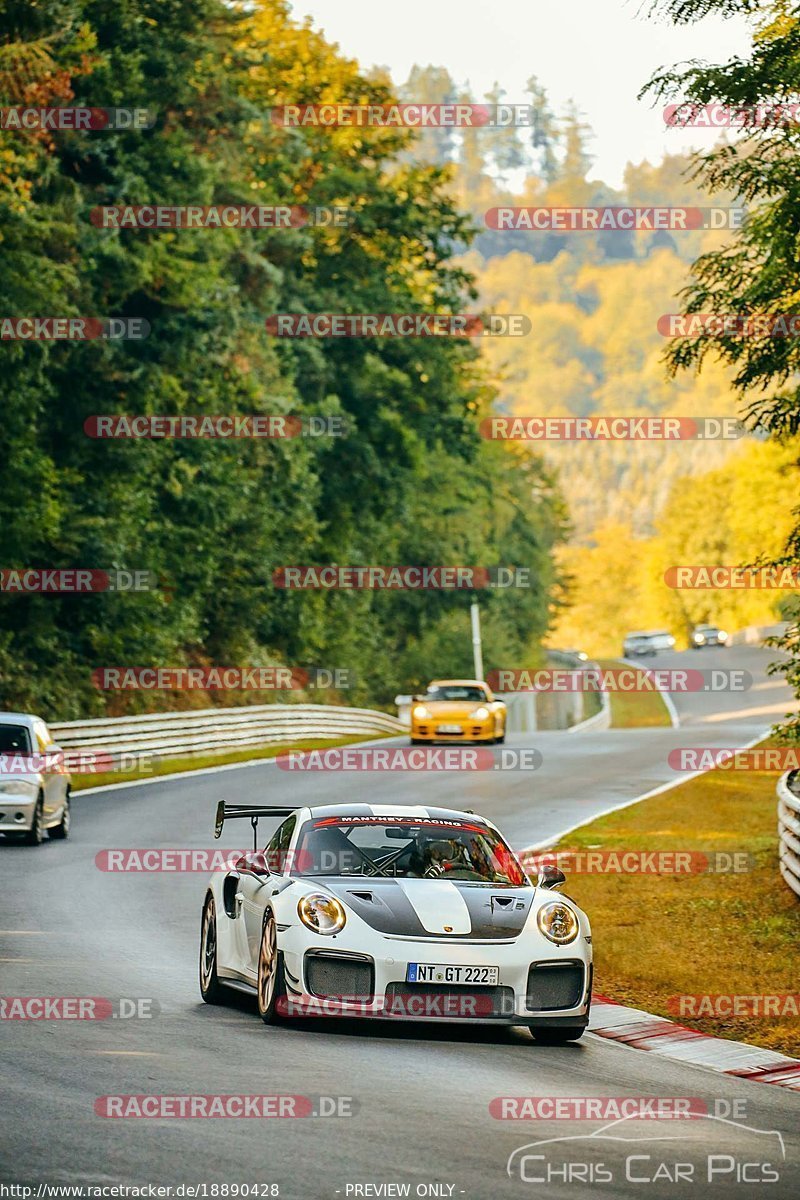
[61, 831]
[35, 835]
[212, 991]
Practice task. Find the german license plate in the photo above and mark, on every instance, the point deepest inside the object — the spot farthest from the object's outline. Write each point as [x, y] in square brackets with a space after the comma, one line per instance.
[448, 729]
[443, 973]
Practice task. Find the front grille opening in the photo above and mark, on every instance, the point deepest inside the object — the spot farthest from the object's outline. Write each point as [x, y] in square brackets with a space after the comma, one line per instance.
[481, 1002]
[554, 985]
[329, 975]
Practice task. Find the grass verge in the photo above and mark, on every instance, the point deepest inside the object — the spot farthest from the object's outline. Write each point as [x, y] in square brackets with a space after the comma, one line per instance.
[661, 936]
[168, 766]
[635, 710]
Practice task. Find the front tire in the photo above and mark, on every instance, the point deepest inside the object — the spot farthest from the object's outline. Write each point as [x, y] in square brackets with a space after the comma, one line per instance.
[35, 835]
[212, 991]
[61, 831]
[271, 983]
[557, 1035]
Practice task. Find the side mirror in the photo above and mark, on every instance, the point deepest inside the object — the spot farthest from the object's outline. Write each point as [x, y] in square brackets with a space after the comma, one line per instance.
[551, 877]
[254, 862]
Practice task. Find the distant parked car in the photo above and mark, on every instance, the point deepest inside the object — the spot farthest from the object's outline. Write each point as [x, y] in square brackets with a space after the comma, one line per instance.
[708, 635]
[34, 783]
[641, 644]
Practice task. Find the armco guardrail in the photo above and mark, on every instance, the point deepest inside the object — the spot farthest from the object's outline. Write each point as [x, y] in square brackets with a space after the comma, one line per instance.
[217, 730]
[789, 829]
[530, 712]
[755, 635]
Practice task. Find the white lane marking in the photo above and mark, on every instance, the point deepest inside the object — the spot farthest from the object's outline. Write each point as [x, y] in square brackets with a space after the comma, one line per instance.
[663, 787]
[251, 762]
[437, 903]
[669, 703]
[786, 706]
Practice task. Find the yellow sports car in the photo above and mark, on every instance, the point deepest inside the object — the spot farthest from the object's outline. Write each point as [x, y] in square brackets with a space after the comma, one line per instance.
[457, 710]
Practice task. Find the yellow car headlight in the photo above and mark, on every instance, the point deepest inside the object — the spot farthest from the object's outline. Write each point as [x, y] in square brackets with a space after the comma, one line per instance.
[558, 923]
[479, 714]
[322, 914]
[422, 713]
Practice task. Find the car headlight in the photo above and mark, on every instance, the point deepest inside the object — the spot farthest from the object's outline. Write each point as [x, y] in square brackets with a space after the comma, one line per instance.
[18, 787]
[480, 714]
[558, 923]
[422, 713]
[722, 635]
[698, 637]
[323, 914]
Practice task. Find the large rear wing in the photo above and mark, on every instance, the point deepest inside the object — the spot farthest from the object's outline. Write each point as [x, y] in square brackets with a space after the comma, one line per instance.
[229, 812]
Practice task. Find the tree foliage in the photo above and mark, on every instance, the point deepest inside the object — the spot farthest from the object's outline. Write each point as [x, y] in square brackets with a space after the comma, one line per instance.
[411, 483]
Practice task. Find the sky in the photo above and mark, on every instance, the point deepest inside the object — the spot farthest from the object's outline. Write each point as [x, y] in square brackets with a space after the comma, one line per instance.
[597, 52]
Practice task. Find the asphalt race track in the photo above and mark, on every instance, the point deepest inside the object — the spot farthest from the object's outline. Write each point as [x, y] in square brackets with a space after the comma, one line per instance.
[419, 1094]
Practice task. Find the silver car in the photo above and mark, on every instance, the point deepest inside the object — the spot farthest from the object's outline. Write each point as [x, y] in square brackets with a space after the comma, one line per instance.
[34, 780]
[652, 642]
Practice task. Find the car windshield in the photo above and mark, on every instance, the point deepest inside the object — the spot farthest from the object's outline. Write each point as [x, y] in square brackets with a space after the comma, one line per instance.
[406, 848]
[14, 739]
[456, 692]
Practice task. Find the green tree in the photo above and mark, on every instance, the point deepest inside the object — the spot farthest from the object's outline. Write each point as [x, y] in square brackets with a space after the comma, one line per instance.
[756, 271]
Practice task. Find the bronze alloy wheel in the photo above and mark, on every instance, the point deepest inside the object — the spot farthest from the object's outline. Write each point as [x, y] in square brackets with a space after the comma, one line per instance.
[270, 972]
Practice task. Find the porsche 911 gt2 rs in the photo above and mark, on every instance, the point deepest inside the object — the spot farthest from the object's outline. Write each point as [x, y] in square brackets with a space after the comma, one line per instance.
[373, 910]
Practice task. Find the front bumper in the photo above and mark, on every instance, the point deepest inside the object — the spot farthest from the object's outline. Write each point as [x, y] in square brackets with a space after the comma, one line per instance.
[381, 963]
[16, 812]
[470, 731]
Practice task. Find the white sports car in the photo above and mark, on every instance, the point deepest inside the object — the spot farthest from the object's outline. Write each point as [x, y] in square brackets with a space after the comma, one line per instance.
[392, 911]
